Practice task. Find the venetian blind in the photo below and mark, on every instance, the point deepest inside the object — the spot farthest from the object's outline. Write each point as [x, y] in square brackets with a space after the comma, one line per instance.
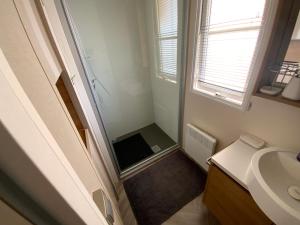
[226, 42]
[167, 19]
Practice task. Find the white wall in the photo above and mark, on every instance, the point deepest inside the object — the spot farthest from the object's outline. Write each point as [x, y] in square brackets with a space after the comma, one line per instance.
[113, 35]
[166, 105]
[118, 41]
[165, 93]
[276, 123]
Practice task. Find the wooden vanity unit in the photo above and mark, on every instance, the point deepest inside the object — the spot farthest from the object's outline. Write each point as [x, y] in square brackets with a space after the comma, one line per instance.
[230, 202]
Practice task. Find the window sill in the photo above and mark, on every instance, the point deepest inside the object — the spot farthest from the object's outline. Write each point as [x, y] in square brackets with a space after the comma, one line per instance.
[166, 79]
[226, 101]
[278, 98]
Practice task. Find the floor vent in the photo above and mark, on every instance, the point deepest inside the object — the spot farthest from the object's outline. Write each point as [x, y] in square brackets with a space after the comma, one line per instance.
[199, 145]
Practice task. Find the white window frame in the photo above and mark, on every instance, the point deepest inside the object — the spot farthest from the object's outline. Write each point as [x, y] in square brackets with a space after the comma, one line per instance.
[165, 76]
[232, 98]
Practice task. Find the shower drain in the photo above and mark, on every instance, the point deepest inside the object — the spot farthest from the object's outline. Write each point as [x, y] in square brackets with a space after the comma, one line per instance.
[294, 192]
[156, 148]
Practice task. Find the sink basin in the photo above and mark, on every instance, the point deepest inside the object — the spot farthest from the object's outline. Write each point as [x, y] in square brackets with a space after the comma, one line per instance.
[271, 173]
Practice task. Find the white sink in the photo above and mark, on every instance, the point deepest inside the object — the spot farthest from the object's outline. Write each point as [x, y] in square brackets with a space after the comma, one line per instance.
[271, 173]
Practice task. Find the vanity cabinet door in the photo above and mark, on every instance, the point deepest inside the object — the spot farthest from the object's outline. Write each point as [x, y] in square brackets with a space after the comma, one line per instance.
[230, 202]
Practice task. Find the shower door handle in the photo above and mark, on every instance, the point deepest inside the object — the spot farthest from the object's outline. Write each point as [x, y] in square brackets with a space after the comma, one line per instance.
[93, 83]
[94, 80]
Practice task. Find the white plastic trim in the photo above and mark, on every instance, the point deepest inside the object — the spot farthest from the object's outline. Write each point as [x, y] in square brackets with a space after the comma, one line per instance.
[32, 135]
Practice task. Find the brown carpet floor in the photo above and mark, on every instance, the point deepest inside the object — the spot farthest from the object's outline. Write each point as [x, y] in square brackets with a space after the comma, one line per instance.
[161, 190]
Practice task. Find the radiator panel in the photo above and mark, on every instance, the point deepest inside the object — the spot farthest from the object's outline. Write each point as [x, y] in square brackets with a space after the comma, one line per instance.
[199, 145]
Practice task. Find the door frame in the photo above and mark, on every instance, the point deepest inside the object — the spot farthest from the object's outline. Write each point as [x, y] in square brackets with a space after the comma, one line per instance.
[33, 140]
[52, 13]
[75, 39]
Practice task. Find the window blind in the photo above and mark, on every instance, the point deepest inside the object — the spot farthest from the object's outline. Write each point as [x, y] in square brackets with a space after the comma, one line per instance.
[167, 21]
[226, 43]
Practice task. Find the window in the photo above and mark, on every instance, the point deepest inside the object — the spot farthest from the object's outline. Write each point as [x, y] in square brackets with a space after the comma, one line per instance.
[227, 39]
[166, 38]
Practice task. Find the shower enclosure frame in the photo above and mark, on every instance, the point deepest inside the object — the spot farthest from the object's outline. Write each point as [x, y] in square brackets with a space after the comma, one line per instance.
[183, 65]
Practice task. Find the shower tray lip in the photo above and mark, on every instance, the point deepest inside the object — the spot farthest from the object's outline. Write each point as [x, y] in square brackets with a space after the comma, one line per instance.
[146, 162]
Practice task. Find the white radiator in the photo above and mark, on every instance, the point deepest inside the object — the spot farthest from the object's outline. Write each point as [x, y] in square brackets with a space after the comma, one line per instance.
[199, 145]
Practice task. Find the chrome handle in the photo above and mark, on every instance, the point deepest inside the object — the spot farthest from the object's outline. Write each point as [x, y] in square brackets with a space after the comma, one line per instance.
[208, 161]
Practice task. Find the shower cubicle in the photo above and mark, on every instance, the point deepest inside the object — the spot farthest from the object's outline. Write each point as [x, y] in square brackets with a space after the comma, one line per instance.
[131, 51]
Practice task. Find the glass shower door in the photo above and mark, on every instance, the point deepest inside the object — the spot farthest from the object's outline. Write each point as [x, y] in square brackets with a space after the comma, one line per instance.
[131, 54]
